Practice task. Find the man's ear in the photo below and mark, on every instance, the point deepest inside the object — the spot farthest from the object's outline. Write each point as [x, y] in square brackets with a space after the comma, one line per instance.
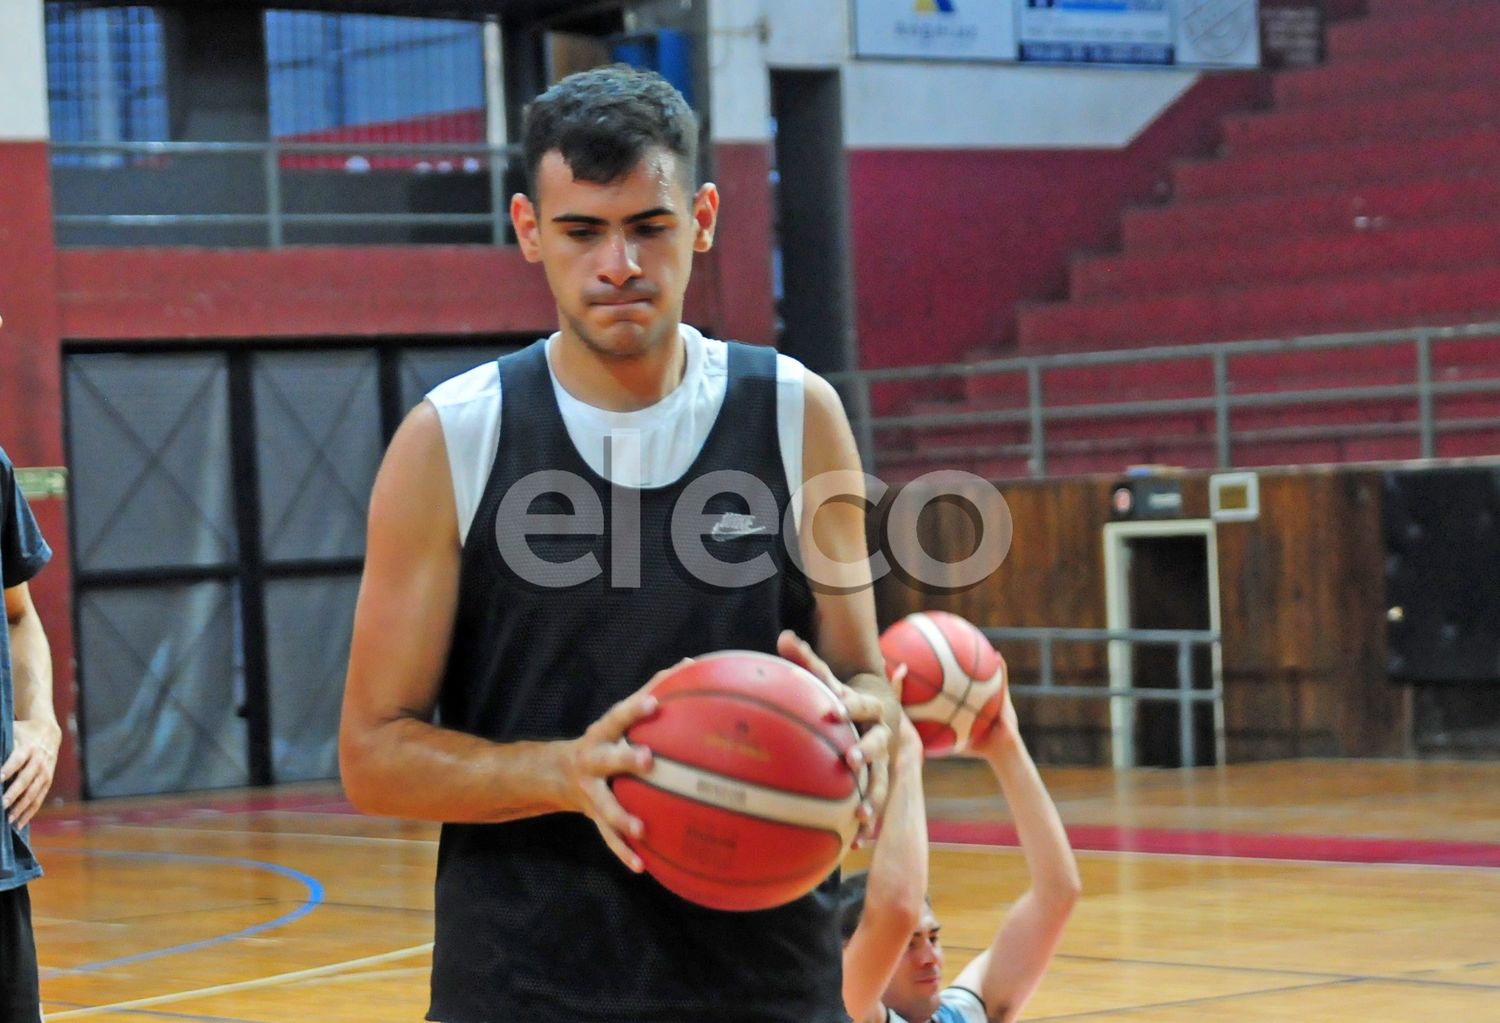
[705, 216]
[523, 217]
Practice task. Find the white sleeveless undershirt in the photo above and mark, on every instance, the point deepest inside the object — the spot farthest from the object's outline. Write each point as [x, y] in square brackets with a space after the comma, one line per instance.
[650, 447]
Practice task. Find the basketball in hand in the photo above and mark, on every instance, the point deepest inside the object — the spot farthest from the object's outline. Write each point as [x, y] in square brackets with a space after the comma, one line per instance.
[749, 802]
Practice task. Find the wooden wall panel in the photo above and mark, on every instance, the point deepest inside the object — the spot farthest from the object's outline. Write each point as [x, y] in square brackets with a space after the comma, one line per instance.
[1302, 596]
[1301, 602]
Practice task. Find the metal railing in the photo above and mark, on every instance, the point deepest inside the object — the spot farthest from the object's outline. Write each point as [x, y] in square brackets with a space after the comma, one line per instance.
[1424, 387]
[272, 155]
[1184, 693]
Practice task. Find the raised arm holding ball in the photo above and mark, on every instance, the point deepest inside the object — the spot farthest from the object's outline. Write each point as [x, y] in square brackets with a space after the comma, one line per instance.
[893, 953]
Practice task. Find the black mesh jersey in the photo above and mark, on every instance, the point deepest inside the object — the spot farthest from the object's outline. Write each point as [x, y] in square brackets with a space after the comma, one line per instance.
[537, 921]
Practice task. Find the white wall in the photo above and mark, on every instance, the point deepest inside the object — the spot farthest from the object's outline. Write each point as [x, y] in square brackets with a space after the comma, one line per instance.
[23, 71]
[894, 104]
[891, 105]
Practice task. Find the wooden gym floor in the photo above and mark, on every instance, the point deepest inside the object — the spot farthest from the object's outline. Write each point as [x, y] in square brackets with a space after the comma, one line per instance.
[1314, 891]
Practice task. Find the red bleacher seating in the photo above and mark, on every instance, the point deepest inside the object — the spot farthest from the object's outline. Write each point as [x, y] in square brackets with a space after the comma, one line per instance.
[1366, 198]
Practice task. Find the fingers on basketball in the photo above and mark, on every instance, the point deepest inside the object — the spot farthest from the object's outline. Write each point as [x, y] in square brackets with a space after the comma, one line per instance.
[797, 650]
[618, 719]
[614, 838]
[752, 801]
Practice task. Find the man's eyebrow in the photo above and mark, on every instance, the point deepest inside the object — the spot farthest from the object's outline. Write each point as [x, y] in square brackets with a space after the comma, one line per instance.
[583, 218]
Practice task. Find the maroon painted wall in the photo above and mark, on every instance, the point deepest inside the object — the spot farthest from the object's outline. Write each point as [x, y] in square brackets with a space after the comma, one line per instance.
[743, 245]
[176, 293]
[170, 293]
[947, 243]
[185, 293]
[31, 401]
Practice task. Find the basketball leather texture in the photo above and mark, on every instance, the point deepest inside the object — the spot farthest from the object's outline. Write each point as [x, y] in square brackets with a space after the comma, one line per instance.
[749, 802]
[955, 680]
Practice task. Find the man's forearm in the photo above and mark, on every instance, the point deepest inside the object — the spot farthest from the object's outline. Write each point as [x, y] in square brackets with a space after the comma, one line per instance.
[410, 768]
[1044, 842]
[31, 670]
[898, 867]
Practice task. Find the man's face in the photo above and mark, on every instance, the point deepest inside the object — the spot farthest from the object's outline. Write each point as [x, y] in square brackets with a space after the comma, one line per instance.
[916, 985]
[618, 255]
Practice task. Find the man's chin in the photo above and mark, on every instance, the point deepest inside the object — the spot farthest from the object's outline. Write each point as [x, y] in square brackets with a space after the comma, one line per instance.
[625, 337]
[920, 1008]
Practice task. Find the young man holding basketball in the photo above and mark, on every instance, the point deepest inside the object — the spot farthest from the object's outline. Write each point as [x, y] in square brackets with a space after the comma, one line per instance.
[893, 957]
[29, 740]
[549, 531]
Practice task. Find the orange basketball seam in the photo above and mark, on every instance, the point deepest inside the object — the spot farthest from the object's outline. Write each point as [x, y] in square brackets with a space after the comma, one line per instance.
[942, 690]
[738, 813]
[780, 711]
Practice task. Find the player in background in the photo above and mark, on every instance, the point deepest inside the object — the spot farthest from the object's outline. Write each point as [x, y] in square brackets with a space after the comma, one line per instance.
[893, 953]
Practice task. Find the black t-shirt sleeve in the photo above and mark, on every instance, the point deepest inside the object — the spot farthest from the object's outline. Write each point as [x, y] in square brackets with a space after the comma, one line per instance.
[23, 552]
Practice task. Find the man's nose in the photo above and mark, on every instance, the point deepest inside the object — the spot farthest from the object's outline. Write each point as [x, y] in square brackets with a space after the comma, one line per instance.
[927, 952]
[618, 264]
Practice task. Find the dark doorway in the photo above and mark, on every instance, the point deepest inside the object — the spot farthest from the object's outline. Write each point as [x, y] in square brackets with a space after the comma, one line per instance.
[1167, 579]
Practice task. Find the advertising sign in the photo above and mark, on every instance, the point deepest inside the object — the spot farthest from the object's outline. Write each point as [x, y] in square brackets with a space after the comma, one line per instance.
[935, 29]
[1166, 33]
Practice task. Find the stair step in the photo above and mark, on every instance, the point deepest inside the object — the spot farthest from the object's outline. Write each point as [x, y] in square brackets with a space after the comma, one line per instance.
[974, 434]
[1414, 31]
[1281, 370]
[1430, 246]
[1266, 311]
[1390, 116]
[1329, 210]
[1334, 211]
[1467, 151]
[1402, 8]
[1351, 79]
[1320, 428]
[1475, 443]
[1134, 425]
[1275, 445]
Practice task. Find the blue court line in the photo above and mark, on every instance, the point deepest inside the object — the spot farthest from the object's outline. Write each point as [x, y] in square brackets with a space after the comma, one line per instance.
[314, 899]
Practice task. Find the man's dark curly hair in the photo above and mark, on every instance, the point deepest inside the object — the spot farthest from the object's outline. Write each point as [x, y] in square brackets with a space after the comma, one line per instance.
[603, 120]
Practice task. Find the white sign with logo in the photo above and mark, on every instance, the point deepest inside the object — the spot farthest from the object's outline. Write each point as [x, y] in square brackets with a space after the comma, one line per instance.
[1182, 33]
[935, 29]
[1218, 33]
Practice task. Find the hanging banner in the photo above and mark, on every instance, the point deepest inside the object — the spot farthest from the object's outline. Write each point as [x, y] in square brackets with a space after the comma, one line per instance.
[1165, 33]
[935, 29]
[1096, 31]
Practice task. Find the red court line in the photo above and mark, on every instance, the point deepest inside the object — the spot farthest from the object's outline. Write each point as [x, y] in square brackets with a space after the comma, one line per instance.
[101, 813]
[1092, 838]
[1323, 848]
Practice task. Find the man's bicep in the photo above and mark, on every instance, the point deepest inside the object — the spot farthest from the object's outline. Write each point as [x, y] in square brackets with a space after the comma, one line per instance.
[1008, 973]
[835, 551]
[409, 591]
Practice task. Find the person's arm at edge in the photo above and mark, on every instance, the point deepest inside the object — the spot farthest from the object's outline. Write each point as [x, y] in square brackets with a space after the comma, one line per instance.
[835, 549]
[1031, 931]
[895, 888]
[29, 770]
[394, 761]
